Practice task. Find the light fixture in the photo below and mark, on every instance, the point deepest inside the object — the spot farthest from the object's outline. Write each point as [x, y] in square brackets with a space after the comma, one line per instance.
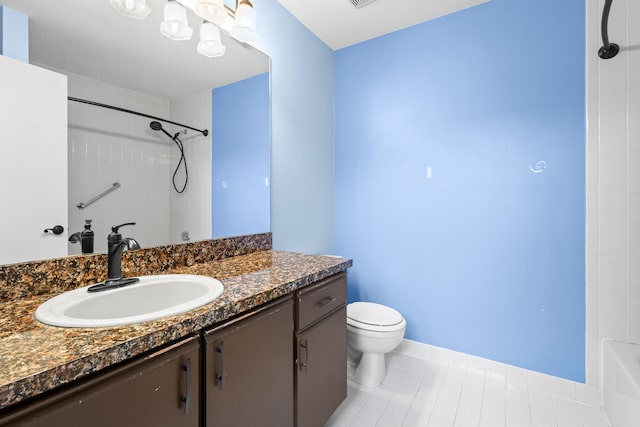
[239, 23]
[227, 25]
[136, 9]
[210, 44]
[244, 28]
[189, 4]
[211, 10]
[175, 25]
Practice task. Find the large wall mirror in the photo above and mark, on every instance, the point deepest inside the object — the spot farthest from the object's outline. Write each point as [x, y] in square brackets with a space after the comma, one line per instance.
[128, 63]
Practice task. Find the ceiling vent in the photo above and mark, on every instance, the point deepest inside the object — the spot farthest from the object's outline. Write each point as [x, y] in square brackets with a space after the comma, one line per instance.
[360, 3]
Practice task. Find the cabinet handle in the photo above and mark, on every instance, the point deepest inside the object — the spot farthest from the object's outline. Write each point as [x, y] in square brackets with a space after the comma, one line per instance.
[219, 375]
[325, 301]
[304, 345]
[186, 400]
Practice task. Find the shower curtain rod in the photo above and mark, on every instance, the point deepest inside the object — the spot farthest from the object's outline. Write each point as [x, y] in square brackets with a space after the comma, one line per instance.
[204, 132]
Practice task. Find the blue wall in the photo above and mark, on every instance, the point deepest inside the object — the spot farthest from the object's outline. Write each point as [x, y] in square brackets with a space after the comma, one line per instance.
[14, 34]
[486, 256]
[301, 131]
[240, 158]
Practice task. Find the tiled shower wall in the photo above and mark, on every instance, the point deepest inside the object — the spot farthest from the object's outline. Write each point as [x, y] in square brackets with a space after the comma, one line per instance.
[107, 146]
[613, 181]
[191, 210]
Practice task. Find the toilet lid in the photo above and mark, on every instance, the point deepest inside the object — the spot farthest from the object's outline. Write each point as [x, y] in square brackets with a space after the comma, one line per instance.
[370, 313]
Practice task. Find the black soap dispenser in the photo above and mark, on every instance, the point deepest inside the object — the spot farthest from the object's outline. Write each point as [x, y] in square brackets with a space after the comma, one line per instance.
[86, 238]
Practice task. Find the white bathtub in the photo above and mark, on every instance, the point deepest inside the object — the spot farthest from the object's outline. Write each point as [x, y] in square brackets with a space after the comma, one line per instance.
[621, 383]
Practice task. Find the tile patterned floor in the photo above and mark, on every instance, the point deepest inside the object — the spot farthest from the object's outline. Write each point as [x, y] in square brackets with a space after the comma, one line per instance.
[421, 393]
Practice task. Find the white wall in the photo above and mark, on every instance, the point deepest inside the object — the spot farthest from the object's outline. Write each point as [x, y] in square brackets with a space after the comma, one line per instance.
[34, 137]
[613, 181]
[106, 146]
[191, 210]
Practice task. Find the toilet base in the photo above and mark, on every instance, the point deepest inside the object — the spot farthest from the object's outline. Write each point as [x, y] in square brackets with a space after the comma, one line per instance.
[371, 370]
[353, 355]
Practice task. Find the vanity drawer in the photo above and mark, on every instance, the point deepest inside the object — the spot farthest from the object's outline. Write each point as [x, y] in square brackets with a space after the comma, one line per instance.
[318, 300]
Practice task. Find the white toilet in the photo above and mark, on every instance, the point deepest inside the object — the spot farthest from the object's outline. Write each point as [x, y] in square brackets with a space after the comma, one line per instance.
[373, 330]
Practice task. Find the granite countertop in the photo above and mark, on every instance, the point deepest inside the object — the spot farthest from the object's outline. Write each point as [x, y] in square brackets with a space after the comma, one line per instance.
[35, 357]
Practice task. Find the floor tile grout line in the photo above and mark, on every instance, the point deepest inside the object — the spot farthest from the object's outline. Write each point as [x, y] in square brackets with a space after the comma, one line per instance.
[418, 385]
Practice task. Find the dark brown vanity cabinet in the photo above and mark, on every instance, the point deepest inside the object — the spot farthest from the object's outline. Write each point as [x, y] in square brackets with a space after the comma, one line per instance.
[248, 378]
[161, 389]
[278, 365]
[321, 350]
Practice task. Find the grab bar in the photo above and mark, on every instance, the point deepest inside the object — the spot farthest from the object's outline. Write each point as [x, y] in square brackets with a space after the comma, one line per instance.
[113, 187]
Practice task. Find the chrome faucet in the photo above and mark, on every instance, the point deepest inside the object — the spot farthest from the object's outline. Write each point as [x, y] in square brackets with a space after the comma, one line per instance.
[116, 246]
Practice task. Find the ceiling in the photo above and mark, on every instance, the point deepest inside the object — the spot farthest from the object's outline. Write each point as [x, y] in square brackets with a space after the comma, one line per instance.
[339, 24]
[90, 38]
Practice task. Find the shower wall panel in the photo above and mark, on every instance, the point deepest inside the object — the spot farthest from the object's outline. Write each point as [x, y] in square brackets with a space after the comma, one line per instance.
[108, 146]
[613, 182]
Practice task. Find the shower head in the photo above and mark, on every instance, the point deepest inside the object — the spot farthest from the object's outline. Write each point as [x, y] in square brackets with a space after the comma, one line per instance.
[157, 126]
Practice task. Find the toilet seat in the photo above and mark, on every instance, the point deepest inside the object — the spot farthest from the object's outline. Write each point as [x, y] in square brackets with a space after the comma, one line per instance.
[374, 317]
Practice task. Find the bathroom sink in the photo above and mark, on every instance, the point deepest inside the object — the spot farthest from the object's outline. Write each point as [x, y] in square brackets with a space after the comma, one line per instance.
[153, 297]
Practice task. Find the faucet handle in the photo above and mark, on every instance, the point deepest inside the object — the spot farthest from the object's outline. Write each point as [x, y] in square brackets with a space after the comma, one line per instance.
[115, 228]
[115, 237]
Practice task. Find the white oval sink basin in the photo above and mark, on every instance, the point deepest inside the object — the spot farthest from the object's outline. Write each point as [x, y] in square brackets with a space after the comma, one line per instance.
[153, 297]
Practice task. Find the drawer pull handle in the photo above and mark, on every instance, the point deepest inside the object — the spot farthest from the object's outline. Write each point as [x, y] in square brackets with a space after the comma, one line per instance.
[325, 301]
[219, 376]
[186, 400]
[304, 346]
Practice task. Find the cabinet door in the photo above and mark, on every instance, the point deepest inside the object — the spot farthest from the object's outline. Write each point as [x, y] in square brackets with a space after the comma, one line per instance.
[321, 374]
[248, 373]
[159, 390]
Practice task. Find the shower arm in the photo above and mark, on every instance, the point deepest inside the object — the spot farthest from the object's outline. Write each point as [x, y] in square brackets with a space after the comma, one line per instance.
[608, 50]
[204, 132]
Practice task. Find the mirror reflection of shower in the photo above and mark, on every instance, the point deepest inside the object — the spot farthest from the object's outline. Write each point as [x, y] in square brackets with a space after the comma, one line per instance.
[104, 146]
[157, 126]
[107, 145]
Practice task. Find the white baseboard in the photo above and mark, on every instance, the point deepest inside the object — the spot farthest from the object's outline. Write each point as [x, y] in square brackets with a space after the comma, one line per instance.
[543, 383]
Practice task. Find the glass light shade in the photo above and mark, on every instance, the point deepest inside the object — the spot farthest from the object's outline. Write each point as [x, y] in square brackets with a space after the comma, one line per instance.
[175, 25]
[189, 4]
[210, 44]
[211, 10]
[136, 9]
[244, 28]
[227, 25]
